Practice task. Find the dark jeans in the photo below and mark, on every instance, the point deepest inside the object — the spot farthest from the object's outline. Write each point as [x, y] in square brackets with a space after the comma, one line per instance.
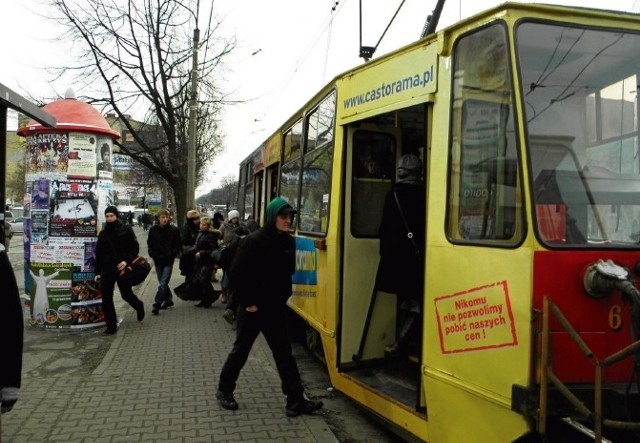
[164, 293]
[107, 283]
[272, 323]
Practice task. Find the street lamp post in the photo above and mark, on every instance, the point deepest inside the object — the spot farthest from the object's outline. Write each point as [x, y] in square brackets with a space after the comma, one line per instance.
[193, 115]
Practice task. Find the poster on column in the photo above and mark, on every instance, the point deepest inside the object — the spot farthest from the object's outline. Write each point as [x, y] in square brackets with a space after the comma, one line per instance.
[105, 166]
[40, 194]
[83, 287]
[39, 227]
[51, 283]
[106, 197]
[48, 152]
[84, 290]
[85, 315]
[74, 206]
[89, 256]
[82, 155]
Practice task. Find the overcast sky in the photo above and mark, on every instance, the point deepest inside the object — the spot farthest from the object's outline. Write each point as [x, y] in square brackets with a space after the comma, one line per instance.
[287, 50]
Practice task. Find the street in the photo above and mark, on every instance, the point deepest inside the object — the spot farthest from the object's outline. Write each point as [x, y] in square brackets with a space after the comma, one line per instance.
[61, 367]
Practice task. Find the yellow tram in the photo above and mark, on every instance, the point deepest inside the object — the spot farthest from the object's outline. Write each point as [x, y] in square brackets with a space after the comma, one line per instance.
[526, 119]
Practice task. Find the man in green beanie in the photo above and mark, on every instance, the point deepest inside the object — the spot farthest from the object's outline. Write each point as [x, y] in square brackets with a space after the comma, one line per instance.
[260, 277]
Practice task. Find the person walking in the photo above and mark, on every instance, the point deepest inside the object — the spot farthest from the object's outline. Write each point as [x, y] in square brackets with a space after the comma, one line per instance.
[116, 247]
[260, 276]
[8, 234]
[188, 234]
[12, 335]
[228, 230]
[218, 220]
[207, 241]
[232, 302]
[164, 246]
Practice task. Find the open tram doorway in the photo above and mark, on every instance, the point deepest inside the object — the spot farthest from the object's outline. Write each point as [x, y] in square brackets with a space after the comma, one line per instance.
[370, 318]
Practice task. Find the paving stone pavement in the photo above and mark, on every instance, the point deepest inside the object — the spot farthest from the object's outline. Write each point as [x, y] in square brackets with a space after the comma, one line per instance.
[156, 382]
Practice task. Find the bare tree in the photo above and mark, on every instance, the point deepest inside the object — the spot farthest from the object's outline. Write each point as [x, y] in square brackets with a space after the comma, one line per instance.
[229, 187]
[226, 194]
[136, 55]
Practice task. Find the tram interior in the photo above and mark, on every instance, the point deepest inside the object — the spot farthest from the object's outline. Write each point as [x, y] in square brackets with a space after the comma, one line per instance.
[376, 146]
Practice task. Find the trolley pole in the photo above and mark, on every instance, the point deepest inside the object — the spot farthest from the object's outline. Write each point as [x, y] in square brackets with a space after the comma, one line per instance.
[193, 115]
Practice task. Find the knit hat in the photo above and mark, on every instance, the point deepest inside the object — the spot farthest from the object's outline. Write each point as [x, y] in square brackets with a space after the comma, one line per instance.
[111, 210]
[277, 206]
[233, 214]
[410, 169]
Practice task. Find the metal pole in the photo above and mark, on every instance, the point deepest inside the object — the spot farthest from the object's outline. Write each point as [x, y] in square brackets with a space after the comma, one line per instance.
[3, 167]
[193, 115]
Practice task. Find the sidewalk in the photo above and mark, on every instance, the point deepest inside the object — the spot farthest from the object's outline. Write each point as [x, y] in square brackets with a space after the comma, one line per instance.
[157, 383]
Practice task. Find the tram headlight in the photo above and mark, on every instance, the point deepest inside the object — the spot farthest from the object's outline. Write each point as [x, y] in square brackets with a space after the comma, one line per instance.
[603, 277]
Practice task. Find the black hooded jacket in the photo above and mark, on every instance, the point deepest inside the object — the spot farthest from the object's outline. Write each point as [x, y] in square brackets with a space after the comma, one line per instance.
[261, 271]
[116, 242]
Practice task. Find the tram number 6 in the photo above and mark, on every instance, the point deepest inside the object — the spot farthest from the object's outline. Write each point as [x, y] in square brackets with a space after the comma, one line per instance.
[615, 317]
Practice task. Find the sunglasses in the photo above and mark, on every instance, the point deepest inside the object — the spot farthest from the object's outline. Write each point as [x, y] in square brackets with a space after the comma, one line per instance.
[195, 218]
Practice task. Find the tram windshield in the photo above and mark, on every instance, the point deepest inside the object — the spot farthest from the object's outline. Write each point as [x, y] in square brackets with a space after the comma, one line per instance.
[579, 88]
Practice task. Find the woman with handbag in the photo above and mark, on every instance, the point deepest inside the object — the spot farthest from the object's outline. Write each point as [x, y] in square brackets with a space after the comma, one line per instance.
[117, 246]
[207, 241]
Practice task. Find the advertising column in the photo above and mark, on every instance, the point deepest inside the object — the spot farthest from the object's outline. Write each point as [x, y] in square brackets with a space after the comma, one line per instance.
[68, 184]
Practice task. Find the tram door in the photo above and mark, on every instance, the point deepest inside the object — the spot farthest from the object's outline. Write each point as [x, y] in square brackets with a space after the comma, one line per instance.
[273, 174]
[258, 189]
[370, 167]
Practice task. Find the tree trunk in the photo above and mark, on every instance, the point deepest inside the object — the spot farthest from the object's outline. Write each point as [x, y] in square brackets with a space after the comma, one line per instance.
[180, 194]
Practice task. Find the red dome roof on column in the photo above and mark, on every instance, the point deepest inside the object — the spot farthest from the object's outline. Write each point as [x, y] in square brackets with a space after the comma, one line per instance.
[71, 116]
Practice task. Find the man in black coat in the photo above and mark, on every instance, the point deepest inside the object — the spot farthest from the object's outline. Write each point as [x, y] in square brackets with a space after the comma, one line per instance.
[12, 335]
[260, 277]
[116, 247]
[164, 246]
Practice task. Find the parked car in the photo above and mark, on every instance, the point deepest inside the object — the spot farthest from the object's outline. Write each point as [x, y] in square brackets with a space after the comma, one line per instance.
[16, 225]
[18, 211]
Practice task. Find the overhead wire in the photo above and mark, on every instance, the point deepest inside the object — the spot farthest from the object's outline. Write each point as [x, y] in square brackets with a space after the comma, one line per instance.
[315, 40]
[325, 25]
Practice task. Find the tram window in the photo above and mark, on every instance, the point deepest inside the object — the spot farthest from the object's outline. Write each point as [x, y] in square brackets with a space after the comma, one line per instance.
[293, 141]
[290, 183]
[373, 169]
[316, 185]
[248, 201]
[484, 191]
[246, 183]
[581, 111]
[320, 123]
